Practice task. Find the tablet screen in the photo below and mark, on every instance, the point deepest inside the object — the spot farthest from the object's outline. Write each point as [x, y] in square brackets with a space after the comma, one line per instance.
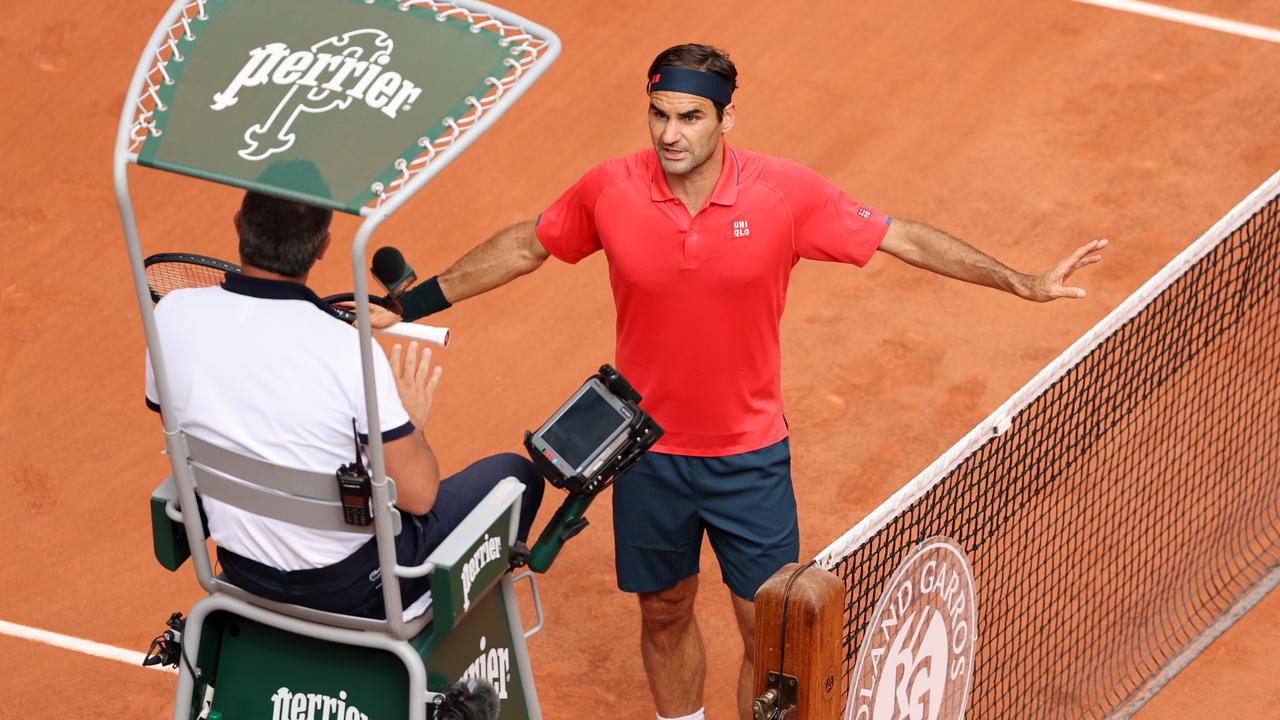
[583, 428]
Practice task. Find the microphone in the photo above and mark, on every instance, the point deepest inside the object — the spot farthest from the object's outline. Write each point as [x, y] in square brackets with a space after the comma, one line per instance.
[393, 273]
[469, 699]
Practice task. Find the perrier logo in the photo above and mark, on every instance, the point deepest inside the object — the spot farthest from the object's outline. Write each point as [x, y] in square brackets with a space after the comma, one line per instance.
[329, 76]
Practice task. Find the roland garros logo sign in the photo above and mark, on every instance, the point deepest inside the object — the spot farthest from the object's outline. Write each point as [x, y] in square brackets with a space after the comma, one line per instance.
[329, 76]
[916, 659]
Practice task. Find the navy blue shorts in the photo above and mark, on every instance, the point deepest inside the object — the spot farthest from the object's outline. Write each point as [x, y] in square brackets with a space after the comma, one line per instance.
[744, 502]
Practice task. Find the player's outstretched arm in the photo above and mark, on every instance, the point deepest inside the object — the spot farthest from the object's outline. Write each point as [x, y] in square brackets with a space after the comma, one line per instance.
[929, 248]
[510, 253]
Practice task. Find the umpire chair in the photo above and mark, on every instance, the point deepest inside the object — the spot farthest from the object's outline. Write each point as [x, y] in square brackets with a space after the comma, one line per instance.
[244, 656]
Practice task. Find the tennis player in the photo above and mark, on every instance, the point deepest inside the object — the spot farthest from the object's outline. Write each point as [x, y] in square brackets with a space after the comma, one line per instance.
[701, 238]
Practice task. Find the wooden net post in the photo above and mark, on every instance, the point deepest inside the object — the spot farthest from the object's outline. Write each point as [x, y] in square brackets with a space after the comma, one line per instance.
[799, 626]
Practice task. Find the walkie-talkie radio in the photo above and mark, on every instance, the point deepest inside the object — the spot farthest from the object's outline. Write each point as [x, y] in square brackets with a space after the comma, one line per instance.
[355, 488]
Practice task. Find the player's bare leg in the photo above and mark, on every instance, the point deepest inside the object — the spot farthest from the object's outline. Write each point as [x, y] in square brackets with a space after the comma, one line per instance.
[745, 612]
[670, 643]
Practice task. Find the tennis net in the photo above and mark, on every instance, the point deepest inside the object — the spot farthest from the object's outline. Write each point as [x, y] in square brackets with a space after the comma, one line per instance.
[1122, 509]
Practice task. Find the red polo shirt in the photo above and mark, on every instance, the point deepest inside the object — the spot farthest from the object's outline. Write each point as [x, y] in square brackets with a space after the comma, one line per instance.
[699, 299]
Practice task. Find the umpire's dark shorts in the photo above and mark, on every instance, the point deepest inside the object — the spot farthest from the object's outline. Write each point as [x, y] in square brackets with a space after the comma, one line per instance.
[744, 502]
[353, 586]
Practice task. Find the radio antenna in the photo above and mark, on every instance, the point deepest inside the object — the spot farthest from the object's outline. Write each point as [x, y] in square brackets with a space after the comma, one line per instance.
[356, 434]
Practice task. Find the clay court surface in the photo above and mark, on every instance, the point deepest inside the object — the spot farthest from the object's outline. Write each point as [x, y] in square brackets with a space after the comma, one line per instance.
[1027, 127]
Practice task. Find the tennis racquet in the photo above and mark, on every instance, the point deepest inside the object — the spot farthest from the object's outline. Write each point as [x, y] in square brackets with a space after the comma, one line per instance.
[167, 272]
[426, 333]
[350, 315]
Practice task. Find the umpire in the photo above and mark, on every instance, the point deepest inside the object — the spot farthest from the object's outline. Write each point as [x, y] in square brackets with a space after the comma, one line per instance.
[701, 238]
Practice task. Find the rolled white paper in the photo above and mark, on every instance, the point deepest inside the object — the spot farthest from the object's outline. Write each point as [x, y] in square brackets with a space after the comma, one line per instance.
[426, 333]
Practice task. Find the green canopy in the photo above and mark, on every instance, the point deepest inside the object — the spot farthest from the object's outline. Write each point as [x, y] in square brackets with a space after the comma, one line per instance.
[318, 100]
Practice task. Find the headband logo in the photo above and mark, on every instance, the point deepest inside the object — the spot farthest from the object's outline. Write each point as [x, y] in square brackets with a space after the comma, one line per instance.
[328, 76]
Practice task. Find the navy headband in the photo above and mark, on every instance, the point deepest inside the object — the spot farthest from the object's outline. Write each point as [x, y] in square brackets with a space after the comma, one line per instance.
[694, 82]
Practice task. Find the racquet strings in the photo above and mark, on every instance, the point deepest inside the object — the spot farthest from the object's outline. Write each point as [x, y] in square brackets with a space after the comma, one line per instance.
[165, 277]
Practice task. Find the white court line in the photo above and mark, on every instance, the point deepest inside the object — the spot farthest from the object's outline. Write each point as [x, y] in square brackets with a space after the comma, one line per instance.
[1185, 17]
[66, 642]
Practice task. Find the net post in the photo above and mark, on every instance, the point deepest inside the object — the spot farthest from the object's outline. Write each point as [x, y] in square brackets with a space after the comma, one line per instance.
[799, 628]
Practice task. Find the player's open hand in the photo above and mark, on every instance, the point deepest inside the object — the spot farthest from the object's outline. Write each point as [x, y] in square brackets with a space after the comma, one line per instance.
[379, 316]
[1053, 284]
[416, 381]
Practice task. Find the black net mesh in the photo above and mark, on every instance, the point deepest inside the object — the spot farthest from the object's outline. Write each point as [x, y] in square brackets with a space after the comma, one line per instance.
[1124, 509]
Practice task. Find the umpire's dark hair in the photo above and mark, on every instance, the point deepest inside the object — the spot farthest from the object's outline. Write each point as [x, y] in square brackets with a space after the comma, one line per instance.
[696, 56]
[281, 236]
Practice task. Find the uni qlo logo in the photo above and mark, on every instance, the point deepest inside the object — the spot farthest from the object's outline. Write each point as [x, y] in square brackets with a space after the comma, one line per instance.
[741, 228]
[916, 658]
[864, 213]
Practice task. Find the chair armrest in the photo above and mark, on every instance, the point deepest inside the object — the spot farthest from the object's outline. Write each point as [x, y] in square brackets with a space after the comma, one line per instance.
[168, 535]
[474, 557]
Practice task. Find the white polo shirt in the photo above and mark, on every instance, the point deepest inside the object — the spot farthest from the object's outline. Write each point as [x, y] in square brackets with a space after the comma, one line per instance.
[265, 368]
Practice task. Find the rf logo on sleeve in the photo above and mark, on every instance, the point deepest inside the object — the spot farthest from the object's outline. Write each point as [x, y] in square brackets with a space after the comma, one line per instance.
[916, 659]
